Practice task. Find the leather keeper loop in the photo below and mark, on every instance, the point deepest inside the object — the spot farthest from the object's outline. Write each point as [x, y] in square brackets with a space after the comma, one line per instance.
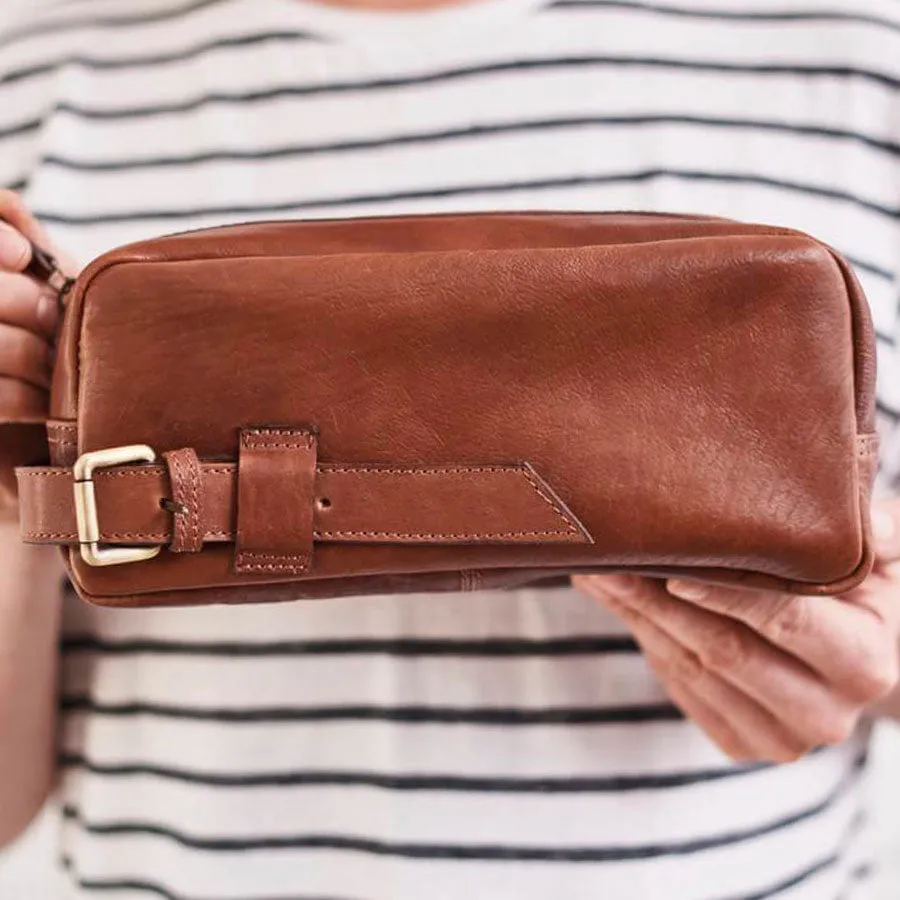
[187, 496]
[275, 504]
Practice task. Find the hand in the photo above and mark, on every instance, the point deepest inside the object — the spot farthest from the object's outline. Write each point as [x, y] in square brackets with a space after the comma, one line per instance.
[769, 676]
[28, 314]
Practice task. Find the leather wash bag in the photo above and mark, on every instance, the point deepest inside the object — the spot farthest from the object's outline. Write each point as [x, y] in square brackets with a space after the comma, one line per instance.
[312, 409]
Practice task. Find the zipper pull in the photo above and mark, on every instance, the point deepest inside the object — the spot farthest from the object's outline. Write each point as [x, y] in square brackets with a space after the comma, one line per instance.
[44, 267]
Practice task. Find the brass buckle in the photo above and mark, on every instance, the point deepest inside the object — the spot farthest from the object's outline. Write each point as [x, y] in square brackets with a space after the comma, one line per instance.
[86, 505]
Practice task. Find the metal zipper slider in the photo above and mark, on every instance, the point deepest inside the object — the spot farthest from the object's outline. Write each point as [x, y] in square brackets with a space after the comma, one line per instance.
[45, 267]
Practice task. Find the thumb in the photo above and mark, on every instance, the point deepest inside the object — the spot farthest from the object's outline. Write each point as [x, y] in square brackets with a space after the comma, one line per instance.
[886, 530]
[18, 224]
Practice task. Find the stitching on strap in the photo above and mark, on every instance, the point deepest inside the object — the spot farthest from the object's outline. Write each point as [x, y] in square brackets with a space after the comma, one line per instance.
[249, 560]
[184, 476]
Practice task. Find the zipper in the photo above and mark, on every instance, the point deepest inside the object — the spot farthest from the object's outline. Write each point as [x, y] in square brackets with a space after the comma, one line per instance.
[45, 268]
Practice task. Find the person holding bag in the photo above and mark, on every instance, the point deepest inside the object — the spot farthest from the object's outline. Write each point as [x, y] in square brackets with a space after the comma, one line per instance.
[616, 739]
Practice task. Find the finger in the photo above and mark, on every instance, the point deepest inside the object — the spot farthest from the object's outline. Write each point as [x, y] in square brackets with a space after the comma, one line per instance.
[729, 649]
[26, 304]
[15, 250]
[708, 719]
[748, 725]
[14, 211]
[24, 355]
[22, 402]
[710, 722]
[886, 530]
[851, 644]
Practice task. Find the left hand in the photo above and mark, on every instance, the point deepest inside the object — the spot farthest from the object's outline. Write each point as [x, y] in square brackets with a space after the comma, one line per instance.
[769, 676]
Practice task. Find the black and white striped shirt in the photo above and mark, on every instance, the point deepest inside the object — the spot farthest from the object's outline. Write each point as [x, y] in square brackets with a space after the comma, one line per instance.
[497, 745]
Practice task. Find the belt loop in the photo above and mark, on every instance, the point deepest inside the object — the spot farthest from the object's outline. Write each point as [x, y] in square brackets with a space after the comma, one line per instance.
[275, 502]
[187, 500]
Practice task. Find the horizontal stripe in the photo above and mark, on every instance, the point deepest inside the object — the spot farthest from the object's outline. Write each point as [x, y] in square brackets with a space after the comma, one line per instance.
[103, 885]
[481, 71]
[28, 127]
[18, 185]
[64, 25]
[410, 715]
[732, 15]
[470, 784]
[475, 131]
[196, 51]
[460, 852]
[871, 268]
[404, 647]
[295, 206]
[823, 865]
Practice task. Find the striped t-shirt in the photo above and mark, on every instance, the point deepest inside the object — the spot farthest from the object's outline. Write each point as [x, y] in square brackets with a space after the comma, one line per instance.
[486, 746]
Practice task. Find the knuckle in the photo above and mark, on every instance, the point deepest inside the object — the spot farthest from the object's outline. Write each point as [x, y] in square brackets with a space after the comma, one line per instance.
[877, 676]
[834, 728]
[725, 650]
[681, 666]
[789, 618]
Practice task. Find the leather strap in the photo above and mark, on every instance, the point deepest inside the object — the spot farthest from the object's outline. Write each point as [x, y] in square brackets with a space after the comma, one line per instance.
[276, 495]
[187, 500]
[354, 503]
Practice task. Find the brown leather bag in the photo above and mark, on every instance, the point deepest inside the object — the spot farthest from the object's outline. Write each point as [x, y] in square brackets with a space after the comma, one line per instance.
[456, 402]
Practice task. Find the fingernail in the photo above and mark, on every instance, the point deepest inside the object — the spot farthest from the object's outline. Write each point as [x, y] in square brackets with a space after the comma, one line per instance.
[884, 529]
[47, 312]
[686, 590]
[14, 249]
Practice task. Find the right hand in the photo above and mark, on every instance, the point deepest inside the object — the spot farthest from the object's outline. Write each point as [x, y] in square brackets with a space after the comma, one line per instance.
[28, 316]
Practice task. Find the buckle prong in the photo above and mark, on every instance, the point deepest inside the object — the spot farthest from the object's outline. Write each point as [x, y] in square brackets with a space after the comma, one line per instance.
[88, 523]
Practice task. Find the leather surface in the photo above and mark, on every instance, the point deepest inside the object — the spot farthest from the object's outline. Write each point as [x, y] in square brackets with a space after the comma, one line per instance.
[276, 500]
[693, 392]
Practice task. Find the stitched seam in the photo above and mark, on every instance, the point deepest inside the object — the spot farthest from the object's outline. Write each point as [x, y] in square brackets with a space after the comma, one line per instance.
[259, 439]
[178, 537]
[867, 445]
[465, 470]
[110, 473]
[194, 510]
[108, 536]
[277, 562]
[560, 514]
[425, 535]
[449, 470]
[297, 557]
